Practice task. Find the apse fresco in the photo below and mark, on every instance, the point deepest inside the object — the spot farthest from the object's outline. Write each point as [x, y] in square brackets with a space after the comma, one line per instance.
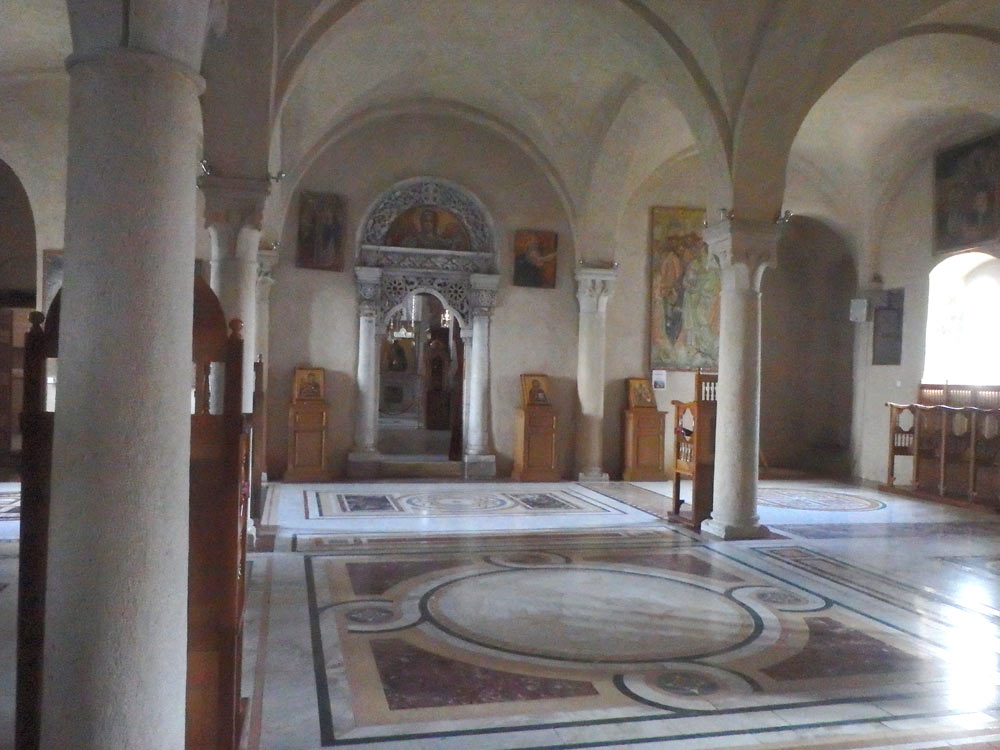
[684, 292]
[427, 228]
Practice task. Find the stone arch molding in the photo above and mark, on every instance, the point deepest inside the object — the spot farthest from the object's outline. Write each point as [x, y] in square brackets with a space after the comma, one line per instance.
[403, 270]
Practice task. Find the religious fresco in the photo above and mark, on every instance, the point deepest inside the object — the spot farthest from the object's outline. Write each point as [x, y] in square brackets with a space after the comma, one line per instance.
[321, 229]
[427, 228]
[535, 258]
[967, 194]
[684, 292]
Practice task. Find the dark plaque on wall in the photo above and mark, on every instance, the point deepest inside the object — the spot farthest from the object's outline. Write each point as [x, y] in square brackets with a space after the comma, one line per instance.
[887, 328]
[321, 232]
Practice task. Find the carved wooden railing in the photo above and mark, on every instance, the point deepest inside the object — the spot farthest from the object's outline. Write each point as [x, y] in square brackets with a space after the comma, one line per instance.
[955, 449]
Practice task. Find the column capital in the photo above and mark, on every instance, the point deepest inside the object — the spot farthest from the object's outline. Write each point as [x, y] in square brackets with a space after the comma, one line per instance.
[234, 202]
[594, 287]
[752, 243]
[369, 289]
[483, 292]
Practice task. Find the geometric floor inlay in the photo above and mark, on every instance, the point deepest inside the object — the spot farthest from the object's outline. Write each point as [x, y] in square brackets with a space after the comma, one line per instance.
[512, 638]
[437, 502]
[801, 499]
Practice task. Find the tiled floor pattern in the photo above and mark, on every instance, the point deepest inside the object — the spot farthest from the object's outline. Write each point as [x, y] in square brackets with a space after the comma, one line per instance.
[875, 624]
[459, 499]
[311, 517]
[639, 636]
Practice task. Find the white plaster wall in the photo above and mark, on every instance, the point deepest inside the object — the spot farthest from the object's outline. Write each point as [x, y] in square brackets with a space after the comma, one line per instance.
[676, 183]
[314, 313]
[904, 246]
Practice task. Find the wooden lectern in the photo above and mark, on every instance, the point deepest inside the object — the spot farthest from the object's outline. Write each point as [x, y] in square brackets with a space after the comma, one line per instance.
[535, 458]
[644, 434]
[307, 419]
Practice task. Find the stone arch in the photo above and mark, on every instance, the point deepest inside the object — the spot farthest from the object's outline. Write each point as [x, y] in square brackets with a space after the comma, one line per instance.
[804, 302]
[461, 319]
[17, 235]
[429, 191]
[445, 273]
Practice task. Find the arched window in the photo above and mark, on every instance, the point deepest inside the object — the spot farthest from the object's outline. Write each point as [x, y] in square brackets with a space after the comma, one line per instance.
[962, 315]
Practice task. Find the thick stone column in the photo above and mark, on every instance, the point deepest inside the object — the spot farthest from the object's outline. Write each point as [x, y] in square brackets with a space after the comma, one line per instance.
[479, 462]
[744, 249]
[593, 290]
[363, 460]
[116, 618]
[266, 261]
[233, 209]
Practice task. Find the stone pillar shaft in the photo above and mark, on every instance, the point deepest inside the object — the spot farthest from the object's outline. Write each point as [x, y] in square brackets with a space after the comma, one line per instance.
[116, 619]
[745, 249]
[366, 430]
[266, 260]
[594, 287]
[466, 335]
[233, 209]
[478, 383]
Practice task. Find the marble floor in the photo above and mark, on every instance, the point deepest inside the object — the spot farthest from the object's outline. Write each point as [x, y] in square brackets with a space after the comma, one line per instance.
[480, 616]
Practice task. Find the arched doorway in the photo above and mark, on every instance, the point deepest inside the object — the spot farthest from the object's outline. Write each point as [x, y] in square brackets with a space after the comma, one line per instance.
[18, 254]
[421, 368]
[427, 284]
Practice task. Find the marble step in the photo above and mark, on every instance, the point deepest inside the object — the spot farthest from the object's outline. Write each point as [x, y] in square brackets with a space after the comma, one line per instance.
[437, 466]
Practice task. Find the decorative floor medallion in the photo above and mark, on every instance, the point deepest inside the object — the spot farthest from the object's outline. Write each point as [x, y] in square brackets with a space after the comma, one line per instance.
[512, 638]
[801, 499]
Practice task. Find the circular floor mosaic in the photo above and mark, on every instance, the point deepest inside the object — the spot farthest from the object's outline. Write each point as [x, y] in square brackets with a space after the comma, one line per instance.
[815, 500]
[568, 614]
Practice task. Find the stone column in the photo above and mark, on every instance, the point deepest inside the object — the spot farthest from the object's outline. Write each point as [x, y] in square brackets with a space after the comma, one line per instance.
[363, 460]
[478, 461]
[267, 259]
[466, 335]
[744, 249]
[116, 612]
[593, 290]
[233, 209]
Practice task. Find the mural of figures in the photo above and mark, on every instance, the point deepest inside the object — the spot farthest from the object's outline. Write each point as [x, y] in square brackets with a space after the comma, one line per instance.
[427, 228]
[685, 289]
[321, 229]
[967, 194]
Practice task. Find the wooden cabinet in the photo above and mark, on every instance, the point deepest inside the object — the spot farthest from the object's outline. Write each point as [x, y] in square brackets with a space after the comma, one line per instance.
[644, 444]
[535, 444]
[307, 442]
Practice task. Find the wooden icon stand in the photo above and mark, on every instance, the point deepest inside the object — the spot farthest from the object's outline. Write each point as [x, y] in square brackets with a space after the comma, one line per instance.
[535, 458]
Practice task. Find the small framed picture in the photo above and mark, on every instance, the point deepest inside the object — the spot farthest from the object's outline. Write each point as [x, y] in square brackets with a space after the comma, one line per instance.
[659, 380]
[640, 394]
[535, 390]
[535, 258]
[320, 235]
[309, 384]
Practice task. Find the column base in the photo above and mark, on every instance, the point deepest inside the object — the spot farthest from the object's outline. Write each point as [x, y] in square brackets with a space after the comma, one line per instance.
[363, 464]
[593, 475]
[730, 532]
[482, 466]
